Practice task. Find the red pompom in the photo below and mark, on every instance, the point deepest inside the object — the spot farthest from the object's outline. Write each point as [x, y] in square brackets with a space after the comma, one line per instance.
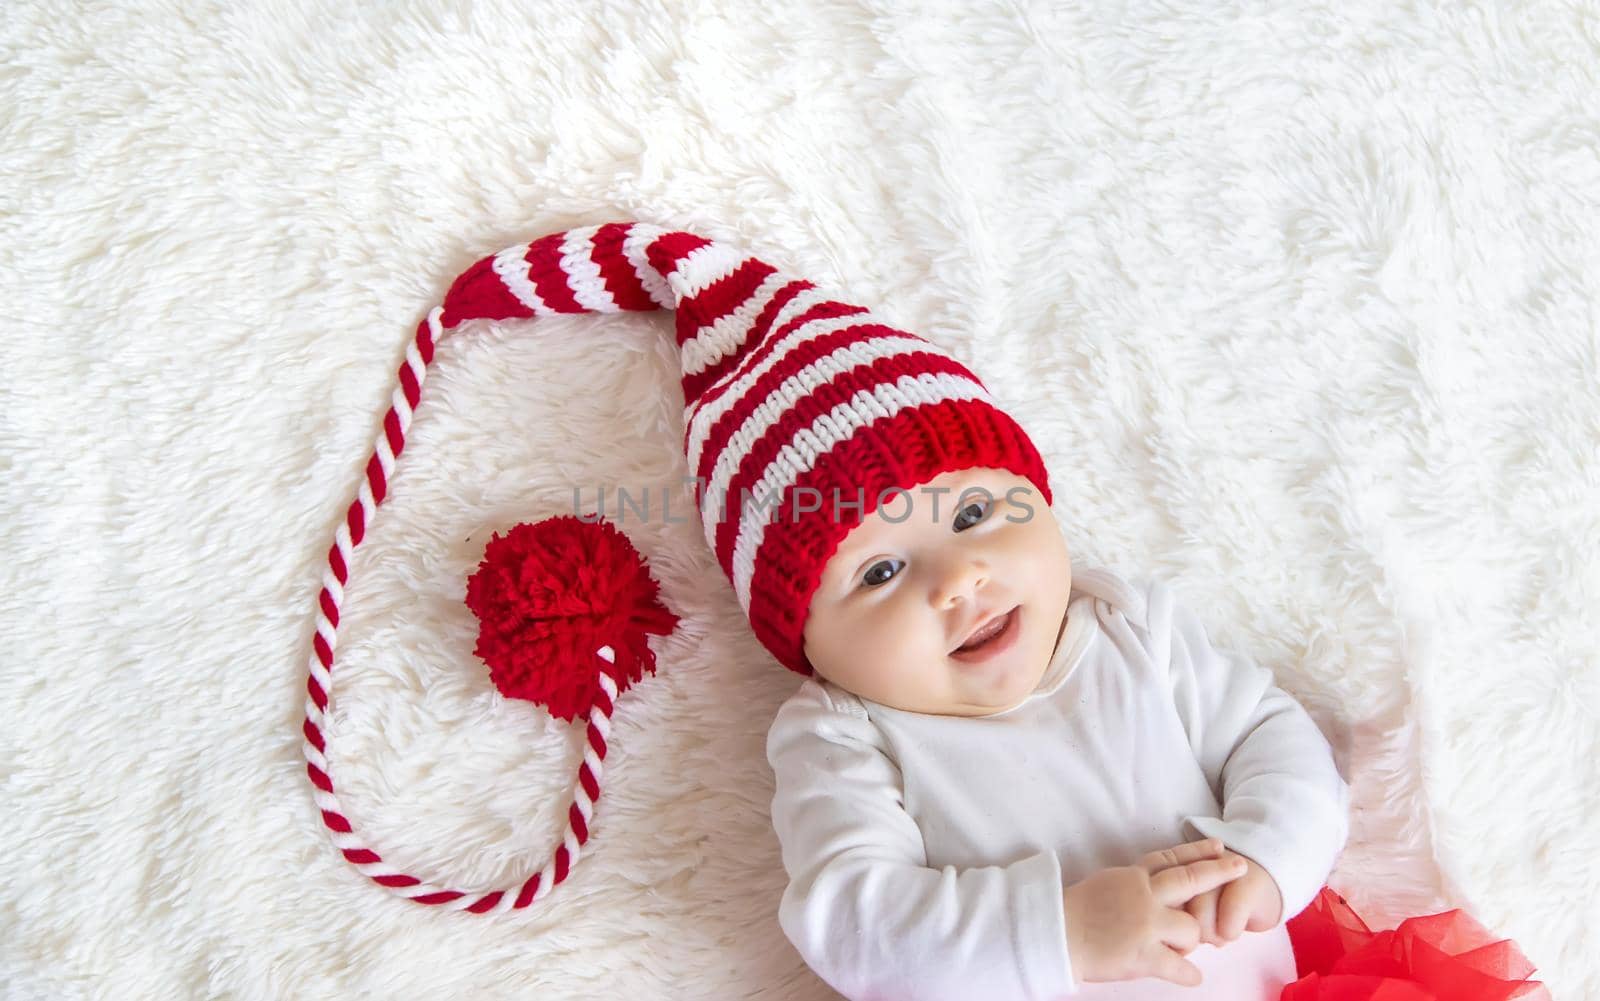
[548, 596]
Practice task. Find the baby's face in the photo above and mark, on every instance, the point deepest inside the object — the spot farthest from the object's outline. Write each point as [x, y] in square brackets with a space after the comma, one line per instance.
[906, 590]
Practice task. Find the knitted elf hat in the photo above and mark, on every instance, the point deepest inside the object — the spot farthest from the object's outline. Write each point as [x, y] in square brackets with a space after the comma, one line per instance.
[789, 394]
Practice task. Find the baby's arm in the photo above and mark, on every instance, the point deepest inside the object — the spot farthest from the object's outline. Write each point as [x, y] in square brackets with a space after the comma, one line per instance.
[1284, 804]
[863, 907]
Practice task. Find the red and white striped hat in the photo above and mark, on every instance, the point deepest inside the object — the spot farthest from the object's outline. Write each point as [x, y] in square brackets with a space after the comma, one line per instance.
[785, 388]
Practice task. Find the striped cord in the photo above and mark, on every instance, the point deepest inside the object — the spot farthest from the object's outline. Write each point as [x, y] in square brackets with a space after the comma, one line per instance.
[319, 685]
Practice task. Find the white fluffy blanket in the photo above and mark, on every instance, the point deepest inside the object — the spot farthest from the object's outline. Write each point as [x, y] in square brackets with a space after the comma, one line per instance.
[1298, 300]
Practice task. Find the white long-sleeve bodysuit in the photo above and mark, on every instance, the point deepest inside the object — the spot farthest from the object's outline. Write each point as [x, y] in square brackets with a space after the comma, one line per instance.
[927, 854]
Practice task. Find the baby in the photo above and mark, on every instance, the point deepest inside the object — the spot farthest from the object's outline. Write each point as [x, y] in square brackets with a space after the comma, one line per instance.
[999, 780]
[993, 783]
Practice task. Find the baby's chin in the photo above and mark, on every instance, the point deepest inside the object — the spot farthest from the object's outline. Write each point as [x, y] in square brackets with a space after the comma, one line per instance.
[1010, 687]
[1017, 686]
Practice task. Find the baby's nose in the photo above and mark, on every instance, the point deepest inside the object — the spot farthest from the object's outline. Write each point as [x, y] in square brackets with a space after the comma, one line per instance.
[959, 582]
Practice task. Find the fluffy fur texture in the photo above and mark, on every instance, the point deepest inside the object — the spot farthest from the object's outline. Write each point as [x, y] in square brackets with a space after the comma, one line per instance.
[1298, 301]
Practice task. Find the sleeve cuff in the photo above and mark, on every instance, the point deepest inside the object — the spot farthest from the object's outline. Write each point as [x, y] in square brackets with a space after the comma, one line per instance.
[1040, 920]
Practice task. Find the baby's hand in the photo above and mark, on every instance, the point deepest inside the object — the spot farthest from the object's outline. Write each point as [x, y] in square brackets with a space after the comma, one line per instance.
[1128, 922]
[1250, 903]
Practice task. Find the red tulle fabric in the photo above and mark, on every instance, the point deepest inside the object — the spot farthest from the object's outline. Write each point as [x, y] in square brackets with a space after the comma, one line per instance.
[1437, 957]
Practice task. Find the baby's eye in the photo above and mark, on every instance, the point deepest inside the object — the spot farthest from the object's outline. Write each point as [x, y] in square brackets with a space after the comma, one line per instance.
[875, 574]
[971, 514]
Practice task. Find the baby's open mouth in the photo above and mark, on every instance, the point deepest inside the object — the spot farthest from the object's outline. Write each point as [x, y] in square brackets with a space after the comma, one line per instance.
[992, 636]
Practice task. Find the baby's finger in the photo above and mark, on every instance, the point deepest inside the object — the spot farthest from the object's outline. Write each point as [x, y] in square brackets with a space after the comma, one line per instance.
[1233, 911]
[1170, 966]
[1189, 851]
[1173, 887]
[1204, 910]
[1179, 930]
